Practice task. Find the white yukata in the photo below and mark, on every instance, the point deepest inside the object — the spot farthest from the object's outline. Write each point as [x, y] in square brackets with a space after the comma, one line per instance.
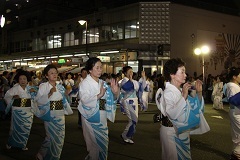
[186, 117]
[130, 103]
[144, 88]
[217, 95]
[54, 121]
[94, 120]
[232, 92]
[22, 117]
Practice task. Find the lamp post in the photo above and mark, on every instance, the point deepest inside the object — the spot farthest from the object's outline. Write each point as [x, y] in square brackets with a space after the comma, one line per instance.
[82, 22]
[202, 51]
[2, 21]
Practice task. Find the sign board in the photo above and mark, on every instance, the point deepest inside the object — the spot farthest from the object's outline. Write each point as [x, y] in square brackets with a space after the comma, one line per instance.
[104, 58]
[61, 61]
[77, 60]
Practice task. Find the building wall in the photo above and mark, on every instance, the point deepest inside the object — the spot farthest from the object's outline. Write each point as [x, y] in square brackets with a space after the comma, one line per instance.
[192, 27]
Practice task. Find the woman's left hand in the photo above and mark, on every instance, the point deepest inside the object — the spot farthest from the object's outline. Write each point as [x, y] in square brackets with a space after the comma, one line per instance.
[114, 86]
[198, 86]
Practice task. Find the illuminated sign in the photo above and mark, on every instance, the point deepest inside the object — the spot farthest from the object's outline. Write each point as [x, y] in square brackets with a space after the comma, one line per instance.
[61, 61]
[104, 58]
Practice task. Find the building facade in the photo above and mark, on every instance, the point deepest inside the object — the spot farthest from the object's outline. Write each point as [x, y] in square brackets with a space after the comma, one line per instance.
[130, 35]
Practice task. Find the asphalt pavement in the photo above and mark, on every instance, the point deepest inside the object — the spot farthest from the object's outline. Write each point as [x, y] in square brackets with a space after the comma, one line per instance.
[214, 145]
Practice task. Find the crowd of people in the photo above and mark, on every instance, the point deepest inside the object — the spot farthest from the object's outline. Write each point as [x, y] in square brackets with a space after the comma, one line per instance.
[49, 96]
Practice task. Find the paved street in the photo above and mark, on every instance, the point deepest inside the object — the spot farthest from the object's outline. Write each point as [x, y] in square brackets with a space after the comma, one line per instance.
[214, 145]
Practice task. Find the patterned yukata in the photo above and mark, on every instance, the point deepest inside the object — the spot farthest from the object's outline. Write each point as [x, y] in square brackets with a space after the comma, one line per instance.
[54, 120]
[144, 88]
[94, 117]
[130, 103]
[22, 116]
[186, 117]
[217, 95]
[232, 92]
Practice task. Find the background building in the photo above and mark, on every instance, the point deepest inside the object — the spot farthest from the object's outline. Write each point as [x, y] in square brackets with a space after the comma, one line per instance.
[143, 35]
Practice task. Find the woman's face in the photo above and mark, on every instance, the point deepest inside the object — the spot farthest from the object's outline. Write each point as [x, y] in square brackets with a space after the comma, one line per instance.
[69, 76]
[180, 76]
[52, 74]
[22, 80]
[84, 74]
[96, 71]
[129, 73]
[237, 79]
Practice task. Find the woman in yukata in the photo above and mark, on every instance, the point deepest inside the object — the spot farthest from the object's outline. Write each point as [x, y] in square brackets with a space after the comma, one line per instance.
[232, 92]
[181, 114]
[19, 99]
[129, 89]
[144, 88]
[217, 93]
[52, 105]
[97, 104]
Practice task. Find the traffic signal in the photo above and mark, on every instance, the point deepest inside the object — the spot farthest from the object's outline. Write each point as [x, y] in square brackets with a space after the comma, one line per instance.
[160, 49]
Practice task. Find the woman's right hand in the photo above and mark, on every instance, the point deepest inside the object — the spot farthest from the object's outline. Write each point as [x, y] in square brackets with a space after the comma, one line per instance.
[185, 89]
[102, 92]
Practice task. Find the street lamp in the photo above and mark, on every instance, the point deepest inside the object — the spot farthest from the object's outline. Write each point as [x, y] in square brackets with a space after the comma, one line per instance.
[202, 51]
[2, 21]
[82, 22]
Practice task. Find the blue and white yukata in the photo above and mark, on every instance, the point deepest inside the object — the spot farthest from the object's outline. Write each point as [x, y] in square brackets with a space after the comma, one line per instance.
[144, 88]
[94, 120]
[54, 120]
[130, 103]
[22, 117]
[186, 117]
[232, 92]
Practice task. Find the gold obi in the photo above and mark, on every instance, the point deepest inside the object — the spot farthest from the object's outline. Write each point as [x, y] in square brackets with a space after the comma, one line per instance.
[102, 103]
[56, 105]
[22, 102]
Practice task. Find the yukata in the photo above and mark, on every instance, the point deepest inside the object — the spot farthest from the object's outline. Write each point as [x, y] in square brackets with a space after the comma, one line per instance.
[119, 99]
[150, 94]
[51, 110]
[144, 88]
[130, 103]
[232, 92]
[95, 113]
[22, 114]
[217, 95]
[180, 118]
[69, 83]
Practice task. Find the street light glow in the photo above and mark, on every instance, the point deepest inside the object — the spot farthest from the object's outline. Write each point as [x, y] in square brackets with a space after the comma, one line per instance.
[2, 21]
[82, 22]
[205, 49]
[197, 51]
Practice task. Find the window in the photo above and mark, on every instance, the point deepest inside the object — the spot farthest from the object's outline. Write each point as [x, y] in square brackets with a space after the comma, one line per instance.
[54, 41]
[38, 44]
[131, 29]
[105, 33]
[117, 32]
[92, 36]
[69, 39]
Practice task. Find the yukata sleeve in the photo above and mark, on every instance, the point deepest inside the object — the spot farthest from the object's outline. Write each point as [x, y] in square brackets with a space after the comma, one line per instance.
[8, 96]
[87, 98]
[9, 99]
[42, 104]
[42, 95]
[110, 106]
[179, 112]
[233, 96]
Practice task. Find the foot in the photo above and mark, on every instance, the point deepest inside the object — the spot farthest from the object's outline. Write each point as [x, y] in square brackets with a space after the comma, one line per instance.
[8, 147]
[127, 140]
[25, 149]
